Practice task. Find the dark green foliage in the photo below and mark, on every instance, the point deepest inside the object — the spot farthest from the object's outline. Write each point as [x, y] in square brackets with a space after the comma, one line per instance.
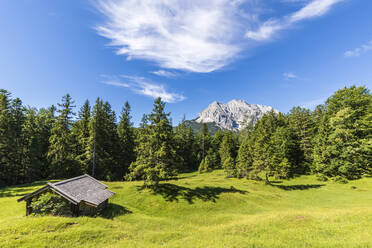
[104, 143]
[60, 152]
[204, 142]
[186, 147]
[50, 203]
[81, 134]
[344, 138]
[244, 161]
[228, 153]
[333, 141]
[156, 151]
[209, 163]
[126, 139]
[302, 127]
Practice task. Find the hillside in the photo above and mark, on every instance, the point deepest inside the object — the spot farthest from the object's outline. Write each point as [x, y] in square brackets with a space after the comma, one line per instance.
[212, 127]
[205, 210]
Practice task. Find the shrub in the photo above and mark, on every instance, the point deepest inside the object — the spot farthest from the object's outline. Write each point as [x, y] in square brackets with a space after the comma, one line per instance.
[50, 203]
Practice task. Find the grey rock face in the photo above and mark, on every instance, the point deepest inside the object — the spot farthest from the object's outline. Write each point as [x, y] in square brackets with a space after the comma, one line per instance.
[235, 115]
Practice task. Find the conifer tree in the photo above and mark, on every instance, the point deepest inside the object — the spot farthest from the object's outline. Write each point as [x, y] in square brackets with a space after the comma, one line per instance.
[60, 152]
[81, 134]
[6, 169]
[156, 153]
[244, 159]
[126, 138]
[104, 146]
[186, 147]
[227, 152]
[204, 140]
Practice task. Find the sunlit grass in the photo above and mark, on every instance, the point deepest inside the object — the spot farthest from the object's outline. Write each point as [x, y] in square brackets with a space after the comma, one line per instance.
[205, 210]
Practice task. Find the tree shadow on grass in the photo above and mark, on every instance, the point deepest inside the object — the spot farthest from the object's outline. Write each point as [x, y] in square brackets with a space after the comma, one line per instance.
[19, 190]
[298, 186]
[172, 192]
[114, 210]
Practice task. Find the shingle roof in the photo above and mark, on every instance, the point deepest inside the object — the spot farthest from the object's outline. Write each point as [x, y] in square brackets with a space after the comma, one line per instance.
[82, 188]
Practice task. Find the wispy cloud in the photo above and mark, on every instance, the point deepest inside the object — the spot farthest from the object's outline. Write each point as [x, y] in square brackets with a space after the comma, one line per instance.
[144, 86]
[289, 75]
[359, 50]
[164, 73]
[269, 28]
[196, 36]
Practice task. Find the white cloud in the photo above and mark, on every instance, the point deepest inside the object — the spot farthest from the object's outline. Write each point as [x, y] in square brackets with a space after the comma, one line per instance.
[164, 73]
[143, 86]
[197, 36]
[268, 29]
[289, 75]
[359, 50]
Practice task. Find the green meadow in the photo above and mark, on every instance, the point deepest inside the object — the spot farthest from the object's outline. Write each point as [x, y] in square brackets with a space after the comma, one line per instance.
[206, 210]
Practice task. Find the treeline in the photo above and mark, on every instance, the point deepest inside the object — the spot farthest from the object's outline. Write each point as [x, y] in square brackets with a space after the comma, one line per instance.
[333, 141]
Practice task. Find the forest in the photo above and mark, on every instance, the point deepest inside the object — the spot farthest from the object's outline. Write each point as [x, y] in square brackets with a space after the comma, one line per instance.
[333, 141]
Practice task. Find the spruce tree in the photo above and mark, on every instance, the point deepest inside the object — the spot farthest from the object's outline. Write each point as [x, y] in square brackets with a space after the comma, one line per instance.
[227, 152]
[126, 138]
[156, 152]
[60, 152]
[81, 134]
[186, 147]
[104, 145]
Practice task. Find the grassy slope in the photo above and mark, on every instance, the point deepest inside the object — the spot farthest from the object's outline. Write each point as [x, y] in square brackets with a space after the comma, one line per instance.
[205, 211]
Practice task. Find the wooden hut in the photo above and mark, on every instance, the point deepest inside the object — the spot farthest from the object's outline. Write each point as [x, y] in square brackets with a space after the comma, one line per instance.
[85, 195]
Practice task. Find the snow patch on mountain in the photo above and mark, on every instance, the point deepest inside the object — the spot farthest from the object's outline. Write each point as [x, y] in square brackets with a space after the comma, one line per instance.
[235, 115]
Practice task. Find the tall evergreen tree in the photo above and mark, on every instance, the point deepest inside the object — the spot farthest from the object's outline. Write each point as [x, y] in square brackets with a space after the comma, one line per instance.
[81, 134]
[104, 146]
[186, 146]
[126, 137]
[156, 152]
[6, 168]
[302, 127]
[60, 152]
[228, 152]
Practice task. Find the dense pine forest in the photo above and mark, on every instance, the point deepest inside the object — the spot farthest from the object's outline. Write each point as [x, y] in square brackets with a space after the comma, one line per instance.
[334, 141]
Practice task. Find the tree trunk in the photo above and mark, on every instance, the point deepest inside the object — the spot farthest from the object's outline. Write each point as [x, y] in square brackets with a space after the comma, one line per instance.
[267, 178]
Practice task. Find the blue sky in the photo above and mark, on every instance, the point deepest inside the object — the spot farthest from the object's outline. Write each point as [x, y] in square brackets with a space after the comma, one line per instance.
[280, 53]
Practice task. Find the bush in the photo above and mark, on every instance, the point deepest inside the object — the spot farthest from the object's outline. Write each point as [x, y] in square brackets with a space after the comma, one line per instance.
[340, 179]
[50, 203]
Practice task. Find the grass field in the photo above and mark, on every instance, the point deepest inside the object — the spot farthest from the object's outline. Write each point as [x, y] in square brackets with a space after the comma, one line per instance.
[205, 210]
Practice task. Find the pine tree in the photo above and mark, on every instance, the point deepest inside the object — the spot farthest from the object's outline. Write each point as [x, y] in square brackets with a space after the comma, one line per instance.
[302, 126]
[60, 153]
[6, 168]
[263, 150]
[209, 163]
[244, 159]
[186, 147]
[156, 153]
[204, 141]
[81, 134]
[104, 145]
[227, 152]
[126, 137]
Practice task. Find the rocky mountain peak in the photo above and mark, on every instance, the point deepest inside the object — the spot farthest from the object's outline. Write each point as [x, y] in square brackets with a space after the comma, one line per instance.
[234, 115]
